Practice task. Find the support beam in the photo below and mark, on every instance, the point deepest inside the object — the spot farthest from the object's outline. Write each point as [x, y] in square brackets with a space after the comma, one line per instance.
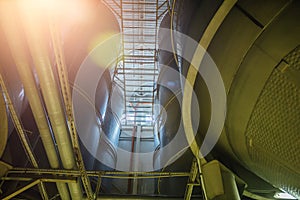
[31, 172]
[191, 183]
[19, 191]
[137, 198]
[22, 135]
[35, 182]
[98, 186]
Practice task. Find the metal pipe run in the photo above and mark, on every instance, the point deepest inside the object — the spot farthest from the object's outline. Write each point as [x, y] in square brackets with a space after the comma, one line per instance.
[66, 93]
[17, 48]
[43, 66]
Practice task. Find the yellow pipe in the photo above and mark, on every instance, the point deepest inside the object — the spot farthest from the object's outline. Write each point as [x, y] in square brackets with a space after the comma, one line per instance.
[33, 21]
[17, 47]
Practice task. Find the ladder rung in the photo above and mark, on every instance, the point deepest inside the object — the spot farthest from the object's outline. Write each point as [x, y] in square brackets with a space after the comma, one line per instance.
[140, 106]
[139, 97]
[134, 109]
[139, 111]
[138, 45]
[139, 62]
[138, 3]
[135, 42]
[139, 117]
[132, 98]
[137, 69]
[146, 25]
[141, 86]
[138, 121]
[144, 112]
[139, 27]
[150, 102]
[137, 11]
[137, 80]
[142, 68]
[147, 109]
[138, 20]
[134, 101]
[148, 96]
[142, 117]
[131, 57]
[139, 49]
[144, 91]
[146, 35]
[139, 73]
[148, 92]
[140, 32]
[148, 112]
[138, 56]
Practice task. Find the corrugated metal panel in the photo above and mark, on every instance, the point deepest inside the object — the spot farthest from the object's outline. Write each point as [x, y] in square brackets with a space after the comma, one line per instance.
[273, 131]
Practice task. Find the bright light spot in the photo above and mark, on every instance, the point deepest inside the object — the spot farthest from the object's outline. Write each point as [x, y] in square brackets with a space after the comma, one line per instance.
[283, 195]
[62, 10]
[106, 54]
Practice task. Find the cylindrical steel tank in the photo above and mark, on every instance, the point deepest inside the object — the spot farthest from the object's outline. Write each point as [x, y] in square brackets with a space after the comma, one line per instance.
[98, 101]
[257, 56]
[170, 130]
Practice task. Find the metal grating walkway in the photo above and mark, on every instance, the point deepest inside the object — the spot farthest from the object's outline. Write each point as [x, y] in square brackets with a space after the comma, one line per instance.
[137, 71]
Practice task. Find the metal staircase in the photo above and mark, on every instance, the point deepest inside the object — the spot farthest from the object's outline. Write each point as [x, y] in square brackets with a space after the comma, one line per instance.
[137, 71]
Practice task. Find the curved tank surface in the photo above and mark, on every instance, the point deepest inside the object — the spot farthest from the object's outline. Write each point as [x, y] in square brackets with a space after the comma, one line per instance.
[67, 79]
[257, 56]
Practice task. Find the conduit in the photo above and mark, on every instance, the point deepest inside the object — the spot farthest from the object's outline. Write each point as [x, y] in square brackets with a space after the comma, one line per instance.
[50, 92]
[17, 48]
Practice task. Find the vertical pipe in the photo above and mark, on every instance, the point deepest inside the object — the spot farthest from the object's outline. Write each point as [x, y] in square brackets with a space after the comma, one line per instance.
[17, 48]
[136, 158]
[129, 190]
[32, 21]
[67, 99]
